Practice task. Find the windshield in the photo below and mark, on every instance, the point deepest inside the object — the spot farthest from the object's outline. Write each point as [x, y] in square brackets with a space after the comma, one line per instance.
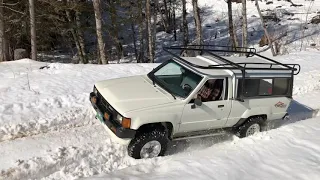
[176, 79]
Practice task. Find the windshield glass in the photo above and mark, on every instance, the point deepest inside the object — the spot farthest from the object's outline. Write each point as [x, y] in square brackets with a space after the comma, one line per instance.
[176, 79]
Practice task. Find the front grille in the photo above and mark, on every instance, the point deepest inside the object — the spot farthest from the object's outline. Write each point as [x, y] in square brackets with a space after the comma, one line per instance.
[105, 106]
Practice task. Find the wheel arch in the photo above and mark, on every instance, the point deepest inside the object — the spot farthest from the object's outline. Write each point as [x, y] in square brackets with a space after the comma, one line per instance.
[165, 126]
[244, 120]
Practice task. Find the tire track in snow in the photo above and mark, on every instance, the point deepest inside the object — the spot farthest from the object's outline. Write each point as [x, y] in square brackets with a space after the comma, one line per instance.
[68, 163]
[81, 152]
[72, 118]
[95, 155]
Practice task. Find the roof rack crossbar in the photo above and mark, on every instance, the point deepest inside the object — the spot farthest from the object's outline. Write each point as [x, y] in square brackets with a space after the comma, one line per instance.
[229, 47]
[225, 60]
[251, 51]
[276, 62]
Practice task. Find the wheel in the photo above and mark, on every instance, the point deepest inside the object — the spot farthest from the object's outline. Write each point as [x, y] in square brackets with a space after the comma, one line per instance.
[252, 126]
[286, 117]
[148, 144]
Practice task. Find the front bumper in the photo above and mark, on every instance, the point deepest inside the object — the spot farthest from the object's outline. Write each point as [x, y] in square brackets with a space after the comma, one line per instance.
[113, 126]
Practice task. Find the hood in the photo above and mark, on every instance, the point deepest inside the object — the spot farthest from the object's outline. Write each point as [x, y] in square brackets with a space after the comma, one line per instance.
[132, 93]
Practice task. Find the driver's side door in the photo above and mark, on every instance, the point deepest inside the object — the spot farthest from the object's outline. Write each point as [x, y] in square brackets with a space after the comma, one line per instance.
[210, 115]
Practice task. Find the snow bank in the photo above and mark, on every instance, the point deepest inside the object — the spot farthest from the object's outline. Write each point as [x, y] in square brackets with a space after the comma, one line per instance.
[39, 97]
[47, 130]
[289, 152]
[75, 117]
[50, 132]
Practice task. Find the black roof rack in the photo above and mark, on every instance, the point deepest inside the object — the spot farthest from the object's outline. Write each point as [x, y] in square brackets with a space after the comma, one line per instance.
[249, 52]
[213, 51]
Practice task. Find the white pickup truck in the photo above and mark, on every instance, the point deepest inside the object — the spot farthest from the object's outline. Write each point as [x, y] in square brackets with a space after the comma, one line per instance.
[187, 97]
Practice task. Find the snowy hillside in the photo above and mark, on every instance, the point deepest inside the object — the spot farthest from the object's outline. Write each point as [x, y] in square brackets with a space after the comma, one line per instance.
[48, 131]
[294, 27]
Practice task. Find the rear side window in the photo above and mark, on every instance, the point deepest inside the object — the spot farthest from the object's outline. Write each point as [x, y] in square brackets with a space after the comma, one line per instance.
[251, 87]
[281, 86]
[264, 87]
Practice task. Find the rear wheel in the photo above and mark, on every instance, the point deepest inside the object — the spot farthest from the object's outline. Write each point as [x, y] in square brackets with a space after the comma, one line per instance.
[251, 127]
[148, 144]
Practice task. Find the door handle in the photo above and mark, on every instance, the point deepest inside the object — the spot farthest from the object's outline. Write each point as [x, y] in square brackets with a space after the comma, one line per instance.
[220, 106]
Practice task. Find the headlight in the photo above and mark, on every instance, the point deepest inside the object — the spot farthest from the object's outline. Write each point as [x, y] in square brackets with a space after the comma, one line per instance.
[125, 122]
[119, 118]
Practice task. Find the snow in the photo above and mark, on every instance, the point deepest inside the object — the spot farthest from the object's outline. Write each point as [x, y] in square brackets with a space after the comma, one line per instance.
[47, 123]
[46, 107]
[48, 130]
[286, 153]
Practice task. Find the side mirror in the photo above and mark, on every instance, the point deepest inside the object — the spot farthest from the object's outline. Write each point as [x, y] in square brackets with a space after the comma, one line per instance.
[197, 102]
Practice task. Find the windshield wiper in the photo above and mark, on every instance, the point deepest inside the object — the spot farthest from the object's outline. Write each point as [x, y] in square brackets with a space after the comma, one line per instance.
[167, 89]
[153, 77]
[174, 97]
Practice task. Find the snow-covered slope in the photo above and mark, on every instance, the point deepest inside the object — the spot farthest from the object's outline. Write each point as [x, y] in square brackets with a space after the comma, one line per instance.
[46, 122]
[47, 131]
[290, 152]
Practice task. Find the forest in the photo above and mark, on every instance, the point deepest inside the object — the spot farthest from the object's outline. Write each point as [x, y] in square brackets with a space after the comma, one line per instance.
[104, 31]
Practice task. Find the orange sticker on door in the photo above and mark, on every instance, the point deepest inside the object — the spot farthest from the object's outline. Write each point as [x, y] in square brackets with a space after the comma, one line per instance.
[280, 105]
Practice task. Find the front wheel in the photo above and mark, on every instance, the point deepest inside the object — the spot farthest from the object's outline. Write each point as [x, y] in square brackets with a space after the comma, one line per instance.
[148, 144]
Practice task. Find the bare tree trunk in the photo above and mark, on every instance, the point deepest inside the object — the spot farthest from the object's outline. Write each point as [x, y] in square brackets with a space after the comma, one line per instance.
[164, 22]
[81, 38]
[265, 29]
[33, 31]
[244, 24]
[97, 12]
[197, 22]
[75, 37]
[134, 38]
[2, 31]
[141, 35]
[174, 25]
[167, 19]
[231, 27]
[115, 29]
[169, 14]
[150, 38]
[293, 4]
[154, 27]
[185, 24]
[4, 49]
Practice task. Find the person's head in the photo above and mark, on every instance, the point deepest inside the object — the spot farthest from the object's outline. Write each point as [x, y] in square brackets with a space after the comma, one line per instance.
[215, 93]
[217, 88]
[211, 82]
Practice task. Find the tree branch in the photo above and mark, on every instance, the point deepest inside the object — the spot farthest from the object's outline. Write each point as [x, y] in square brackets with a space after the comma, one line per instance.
[13, 10]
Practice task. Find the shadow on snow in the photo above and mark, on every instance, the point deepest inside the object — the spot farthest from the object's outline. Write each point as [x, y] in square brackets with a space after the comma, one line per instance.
[296, 110]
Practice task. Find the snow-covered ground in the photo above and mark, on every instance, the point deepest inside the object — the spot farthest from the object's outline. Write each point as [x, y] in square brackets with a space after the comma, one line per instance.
[48, 131]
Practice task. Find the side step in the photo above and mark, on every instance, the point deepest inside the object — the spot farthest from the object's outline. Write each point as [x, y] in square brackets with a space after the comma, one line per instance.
[199, 136]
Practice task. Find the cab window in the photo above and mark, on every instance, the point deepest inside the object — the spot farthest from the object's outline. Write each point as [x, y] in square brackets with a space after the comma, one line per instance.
[212, 90]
